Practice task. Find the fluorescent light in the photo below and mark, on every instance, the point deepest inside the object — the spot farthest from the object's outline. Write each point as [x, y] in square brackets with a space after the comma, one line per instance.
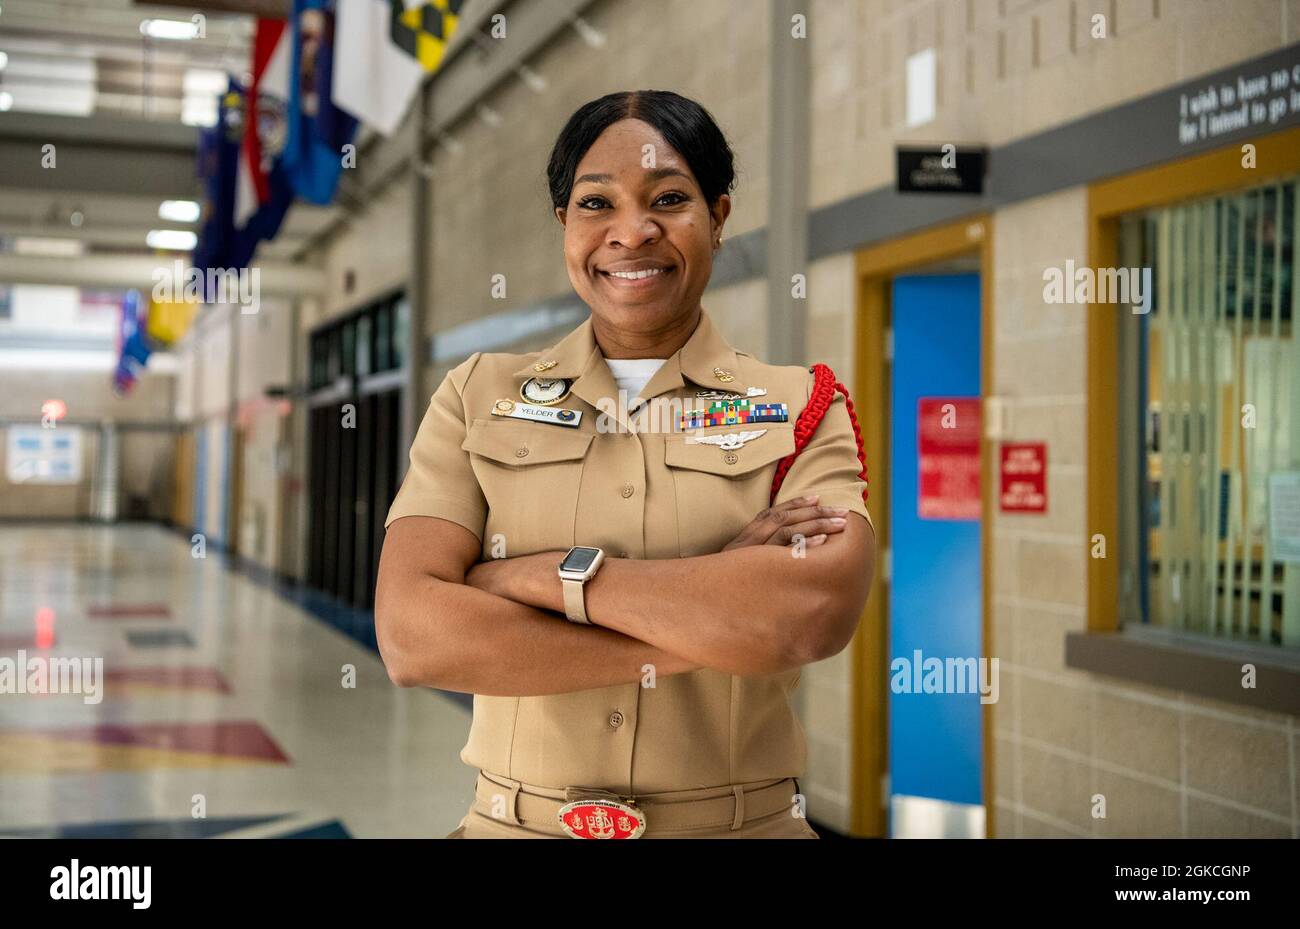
[169, 29]
[921, 88]
[200, 89]
[48, 247]
[6, 100]
[4, 59]
[179, 211]
[174, 239]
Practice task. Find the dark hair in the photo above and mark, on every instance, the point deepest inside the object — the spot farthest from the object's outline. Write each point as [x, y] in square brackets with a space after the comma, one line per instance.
[683, 123]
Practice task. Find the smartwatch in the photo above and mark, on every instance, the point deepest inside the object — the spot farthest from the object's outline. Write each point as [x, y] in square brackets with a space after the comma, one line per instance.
[580, 565]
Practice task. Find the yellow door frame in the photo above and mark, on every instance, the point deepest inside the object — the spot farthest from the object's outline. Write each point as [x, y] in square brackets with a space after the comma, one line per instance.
[1204, 175]
[874, 269]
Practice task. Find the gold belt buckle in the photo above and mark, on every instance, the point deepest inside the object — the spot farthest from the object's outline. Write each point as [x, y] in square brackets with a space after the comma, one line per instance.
[595, 818]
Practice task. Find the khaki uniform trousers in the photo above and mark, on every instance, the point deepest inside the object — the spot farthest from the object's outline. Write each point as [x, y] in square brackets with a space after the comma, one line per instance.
[746, 811]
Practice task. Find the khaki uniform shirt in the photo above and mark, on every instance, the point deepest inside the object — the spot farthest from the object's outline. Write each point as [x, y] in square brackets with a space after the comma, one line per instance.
[537, 486]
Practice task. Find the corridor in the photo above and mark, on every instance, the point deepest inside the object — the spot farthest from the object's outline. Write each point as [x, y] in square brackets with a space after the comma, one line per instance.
[223, 711]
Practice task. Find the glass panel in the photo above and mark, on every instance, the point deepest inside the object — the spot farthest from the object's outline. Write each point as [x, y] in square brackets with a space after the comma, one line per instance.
[400, 316]
[319, 360]
[363, 345]
[350, 347]
[1221, 408]
[335, 367]
[383, 338]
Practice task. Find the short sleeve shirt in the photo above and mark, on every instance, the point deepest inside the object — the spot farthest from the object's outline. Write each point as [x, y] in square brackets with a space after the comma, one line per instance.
[640, 482]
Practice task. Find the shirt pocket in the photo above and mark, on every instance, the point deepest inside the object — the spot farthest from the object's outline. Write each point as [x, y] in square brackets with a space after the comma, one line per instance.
[719, 491]
[530, 475]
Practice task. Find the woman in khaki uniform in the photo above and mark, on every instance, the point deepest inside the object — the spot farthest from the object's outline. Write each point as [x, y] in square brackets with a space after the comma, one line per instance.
[605, 572]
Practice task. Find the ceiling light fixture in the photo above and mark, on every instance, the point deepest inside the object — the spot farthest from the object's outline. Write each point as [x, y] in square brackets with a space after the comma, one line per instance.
[177, 240]
[175, 29]
[179, 211]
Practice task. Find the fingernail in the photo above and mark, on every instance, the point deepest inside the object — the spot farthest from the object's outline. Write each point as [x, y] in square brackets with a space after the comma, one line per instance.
[837, 520]
[817, 539]
[839, 509]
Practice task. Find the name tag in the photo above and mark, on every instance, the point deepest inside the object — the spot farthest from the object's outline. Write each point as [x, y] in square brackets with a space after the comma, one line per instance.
[538, 414]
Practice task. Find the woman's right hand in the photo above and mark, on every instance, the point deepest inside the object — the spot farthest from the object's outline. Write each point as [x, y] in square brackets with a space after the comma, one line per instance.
[780, 524]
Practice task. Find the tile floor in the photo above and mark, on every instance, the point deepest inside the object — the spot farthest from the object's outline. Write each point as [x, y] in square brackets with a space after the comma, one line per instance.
[219, 695]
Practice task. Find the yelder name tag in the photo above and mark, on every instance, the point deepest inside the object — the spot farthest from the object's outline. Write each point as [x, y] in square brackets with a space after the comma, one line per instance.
[540, 414]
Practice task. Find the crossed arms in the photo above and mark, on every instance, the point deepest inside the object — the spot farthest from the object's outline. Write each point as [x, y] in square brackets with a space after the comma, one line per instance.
[445, 620]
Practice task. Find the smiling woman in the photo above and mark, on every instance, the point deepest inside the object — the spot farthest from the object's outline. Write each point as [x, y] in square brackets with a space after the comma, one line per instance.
[662, 706]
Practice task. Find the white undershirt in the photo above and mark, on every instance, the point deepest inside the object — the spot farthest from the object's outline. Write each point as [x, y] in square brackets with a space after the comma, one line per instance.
[632, 374]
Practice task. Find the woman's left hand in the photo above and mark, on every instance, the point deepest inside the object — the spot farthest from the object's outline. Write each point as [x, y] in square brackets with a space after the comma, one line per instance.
[786, 523]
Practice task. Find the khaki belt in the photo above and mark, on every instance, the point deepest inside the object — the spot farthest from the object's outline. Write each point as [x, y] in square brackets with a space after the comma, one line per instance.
[521, 804]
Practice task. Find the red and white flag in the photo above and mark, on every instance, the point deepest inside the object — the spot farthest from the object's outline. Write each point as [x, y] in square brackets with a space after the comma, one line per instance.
[266, 123]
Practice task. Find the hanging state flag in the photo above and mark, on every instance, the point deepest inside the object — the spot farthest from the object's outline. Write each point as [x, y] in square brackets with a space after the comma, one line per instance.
[318, 129]
[262, 190]
[266, 125]
[169, 320]
[133, 346]
[218, 160]
[384, 50]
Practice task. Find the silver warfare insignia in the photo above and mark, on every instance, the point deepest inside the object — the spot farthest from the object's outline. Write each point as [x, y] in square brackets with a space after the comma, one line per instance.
[729, 394]
[728, 440]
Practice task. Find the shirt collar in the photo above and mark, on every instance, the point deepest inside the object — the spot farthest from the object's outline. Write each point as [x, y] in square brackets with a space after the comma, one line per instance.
[706, 359]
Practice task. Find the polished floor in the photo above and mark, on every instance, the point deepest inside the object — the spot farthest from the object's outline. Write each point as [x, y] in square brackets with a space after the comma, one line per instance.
[226, 708]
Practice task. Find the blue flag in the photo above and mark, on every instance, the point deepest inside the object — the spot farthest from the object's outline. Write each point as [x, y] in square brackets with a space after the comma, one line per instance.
[318, 129]
[134, 347]
[265, 223]
[218, 163]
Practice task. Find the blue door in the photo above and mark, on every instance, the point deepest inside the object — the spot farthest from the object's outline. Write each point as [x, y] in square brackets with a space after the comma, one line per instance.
[935, 738]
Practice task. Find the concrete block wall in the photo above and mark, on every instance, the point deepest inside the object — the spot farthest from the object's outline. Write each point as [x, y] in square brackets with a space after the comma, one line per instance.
[1169, 764]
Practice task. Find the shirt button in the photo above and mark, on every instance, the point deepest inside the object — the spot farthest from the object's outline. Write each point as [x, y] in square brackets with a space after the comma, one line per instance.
[731, 458]
[615, 719]
[628, 490]
[521, 453]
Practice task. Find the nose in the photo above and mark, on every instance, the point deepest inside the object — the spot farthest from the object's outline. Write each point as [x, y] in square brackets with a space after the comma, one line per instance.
[632, 227]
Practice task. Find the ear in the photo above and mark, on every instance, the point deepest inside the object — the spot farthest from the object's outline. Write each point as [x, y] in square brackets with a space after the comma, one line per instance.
[718, 213]
[561, 213]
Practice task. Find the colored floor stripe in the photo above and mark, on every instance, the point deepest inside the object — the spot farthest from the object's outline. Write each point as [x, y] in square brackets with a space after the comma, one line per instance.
[129, 611]
[27, 641]
[169, 678]
[330, 830]
[142, 829]
[137, 747]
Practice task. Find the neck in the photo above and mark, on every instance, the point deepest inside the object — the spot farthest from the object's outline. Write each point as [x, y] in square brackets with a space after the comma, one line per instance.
[660, 343]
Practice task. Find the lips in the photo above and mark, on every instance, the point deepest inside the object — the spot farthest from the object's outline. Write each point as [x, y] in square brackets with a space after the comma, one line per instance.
[635, 274]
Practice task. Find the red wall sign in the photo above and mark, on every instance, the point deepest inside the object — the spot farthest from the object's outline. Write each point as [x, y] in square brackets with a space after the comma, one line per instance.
[948, 458]
[1024, 478]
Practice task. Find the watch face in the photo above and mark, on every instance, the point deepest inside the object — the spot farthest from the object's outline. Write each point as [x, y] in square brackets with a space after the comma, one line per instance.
[579, 559]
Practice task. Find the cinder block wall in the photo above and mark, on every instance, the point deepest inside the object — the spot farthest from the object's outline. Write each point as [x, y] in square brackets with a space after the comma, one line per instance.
[1169, 764]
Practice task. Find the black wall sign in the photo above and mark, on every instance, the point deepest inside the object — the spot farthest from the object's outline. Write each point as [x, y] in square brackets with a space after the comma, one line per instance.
[946, 169]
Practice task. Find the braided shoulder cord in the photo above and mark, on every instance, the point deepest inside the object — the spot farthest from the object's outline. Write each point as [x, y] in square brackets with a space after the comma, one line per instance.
[823, 393]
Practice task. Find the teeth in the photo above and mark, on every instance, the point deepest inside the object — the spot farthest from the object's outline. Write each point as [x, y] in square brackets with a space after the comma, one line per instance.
[635, 275]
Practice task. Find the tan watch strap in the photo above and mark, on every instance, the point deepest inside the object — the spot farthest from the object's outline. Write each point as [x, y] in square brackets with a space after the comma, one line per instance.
[575, 607]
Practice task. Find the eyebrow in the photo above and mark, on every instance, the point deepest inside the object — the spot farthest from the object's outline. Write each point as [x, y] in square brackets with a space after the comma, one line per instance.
[655, 175]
